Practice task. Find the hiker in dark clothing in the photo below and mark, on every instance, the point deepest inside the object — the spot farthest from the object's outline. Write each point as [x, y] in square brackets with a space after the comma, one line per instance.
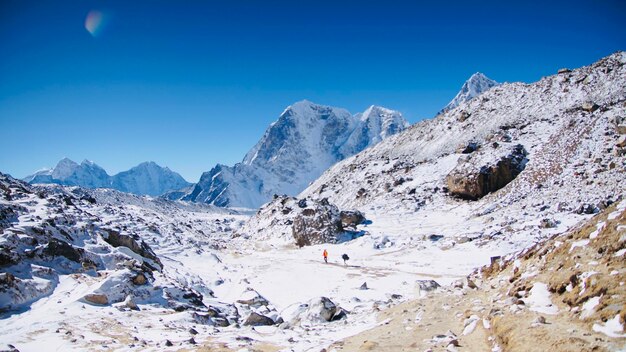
[344, 257]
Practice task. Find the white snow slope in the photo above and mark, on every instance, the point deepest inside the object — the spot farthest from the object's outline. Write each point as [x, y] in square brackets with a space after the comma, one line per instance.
[306, 139]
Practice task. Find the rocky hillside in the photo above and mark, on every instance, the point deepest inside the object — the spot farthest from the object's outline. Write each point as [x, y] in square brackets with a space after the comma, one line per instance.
[524, 154]
[144, 179]
[99, 245]
[306, 139]
[565, 294]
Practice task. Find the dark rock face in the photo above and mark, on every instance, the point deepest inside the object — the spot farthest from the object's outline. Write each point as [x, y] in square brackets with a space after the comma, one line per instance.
[117, 239]
[351, 218]
[319, 223]
[256, 319]
[57, 248]
[469, 182]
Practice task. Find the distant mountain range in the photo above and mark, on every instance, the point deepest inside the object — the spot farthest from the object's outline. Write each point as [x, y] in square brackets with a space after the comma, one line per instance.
[147, 178]
[295, 150]
[306, 139]
[477, 84]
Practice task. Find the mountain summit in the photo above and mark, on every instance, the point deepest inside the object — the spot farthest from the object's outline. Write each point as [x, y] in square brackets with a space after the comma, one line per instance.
[306, 139]
[477, 84]
[144, 179]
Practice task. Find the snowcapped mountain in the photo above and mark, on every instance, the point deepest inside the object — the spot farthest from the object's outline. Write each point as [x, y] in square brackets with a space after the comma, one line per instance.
[144, 179]
[306, 139]
[148, 178]
[69, 173]
[477, 84]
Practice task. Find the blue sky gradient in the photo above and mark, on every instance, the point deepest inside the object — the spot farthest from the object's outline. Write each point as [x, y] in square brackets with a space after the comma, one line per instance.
[189, 84]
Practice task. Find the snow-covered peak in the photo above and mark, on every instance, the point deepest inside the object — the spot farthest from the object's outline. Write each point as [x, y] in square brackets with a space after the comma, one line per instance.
[306, 139]
[477, 84]
[147, 178]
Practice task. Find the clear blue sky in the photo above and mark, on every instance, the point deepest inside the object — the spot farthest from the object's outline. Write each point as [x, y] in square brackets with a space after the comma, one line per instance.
[188, 84]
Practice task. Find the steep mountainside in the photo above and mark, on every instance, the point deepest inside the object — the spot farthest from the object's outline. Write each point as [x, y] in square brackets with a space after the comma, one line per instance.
[477, 84]
[545, 150]
[144, 179]
[305, 140]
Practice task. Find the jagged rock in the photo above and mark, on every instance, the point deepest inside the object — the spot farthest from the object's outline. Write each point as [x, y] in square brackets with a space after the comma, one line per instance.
[590, 106]
[314, 226]
[252, 298]
[95, 298]
[168, 343]
[469, 181]
[547, 223]
[351, 218]
[469, 148]
[256, 319]
[427, 285]
[138, 246]
[564, 70]
[364, 286]
[587, 209]
[140, 279]
[57, 248]
[129, 302]
[462, 116]
[324, 308]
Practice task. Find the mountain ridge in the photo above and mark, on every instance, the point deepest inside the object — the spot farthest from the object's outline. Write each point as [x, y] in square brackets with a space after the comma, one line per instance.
[147, 178]
[306, 139]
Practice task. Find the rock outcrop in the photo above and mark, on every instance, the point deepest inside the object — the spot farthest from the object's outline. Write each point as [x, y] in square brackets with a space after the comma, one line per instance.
[303, 221]
[471, 181]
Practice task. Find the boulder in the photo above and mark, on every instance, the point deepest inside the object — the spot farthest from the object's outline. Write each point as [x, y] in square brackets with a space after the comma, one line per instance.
[98, 299]
[564, 70]
[57, 248]
[364, 286]
[590, 106]
[462, 116]
[472, 182]
[256, 319]
[315, 226]
[427, 285]
[252, 298]
[133, 243]
[351, 218]
[621, 141]
[324, 308]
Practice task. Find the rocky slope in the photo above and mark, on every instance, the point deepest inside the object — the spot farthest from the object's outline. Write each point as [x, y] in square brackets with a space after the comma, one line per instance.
[306, 139]
[477, 84]
[565, 294]
[548, 150]
[144, 179]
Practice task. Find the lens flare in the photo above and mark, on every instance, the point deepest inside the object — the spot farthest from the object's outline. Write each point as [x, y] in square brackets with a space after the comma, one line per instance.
[95, 22]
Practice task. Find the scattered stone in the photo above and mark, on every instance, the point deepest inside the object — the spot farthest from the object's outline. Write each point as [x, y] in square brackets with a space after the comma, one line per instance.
[192, 341]
[621, 142]
[140, 279]
[129, 302]
[364, 286]
[427, 285]
[547, 223]
[590, 106]
[540, 320]
[99, 299]
[193, 331]
[256, 319]
[168, 343]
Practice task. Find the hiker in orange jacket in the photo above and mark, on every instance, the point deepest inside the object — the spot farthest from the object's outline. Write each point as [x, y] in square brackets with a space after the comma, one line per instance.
[325, 256]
